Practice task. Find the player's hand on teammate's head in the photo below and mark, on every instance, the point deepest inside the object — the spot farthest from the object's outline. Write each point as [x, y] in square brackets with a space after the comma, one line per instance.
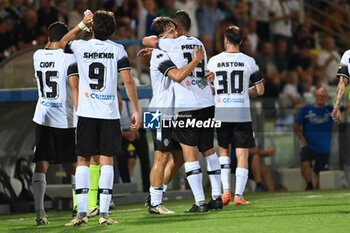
[198, 53]
[87, 20]
[336, 115]
[135, 121]
[145, 52]
[210, 75]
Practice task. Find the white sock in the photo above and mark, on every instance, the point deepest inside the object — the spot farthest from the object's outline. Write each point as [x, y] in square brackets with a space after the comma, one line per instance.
[39, 187]
[82, 185]
[105, 187]
[194, 177]
[225, 163]
[165, 187]
[156, 195]
[241, 180]
[214, 172]
[73, 182]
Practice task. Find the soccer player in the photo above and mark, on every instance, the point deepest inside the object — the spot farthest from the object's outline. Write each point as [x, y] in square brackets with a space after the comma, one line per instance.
[54, 114]
[233, 73]
[163, 72]
[98, 129]
[343, 76]
[193, 102]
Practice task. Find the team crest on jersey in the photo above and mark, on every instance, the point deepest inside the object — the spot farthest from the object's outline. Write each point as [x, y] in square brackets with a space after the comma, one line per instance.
[152, 120]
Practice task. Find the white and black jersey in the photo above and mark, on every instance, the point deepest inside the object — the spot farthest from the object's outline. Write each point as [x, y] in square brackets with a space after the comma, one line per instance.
[98, 63]
[162, 85]
[194, 91]
[233, 73]
[344, 68]
[55, 106]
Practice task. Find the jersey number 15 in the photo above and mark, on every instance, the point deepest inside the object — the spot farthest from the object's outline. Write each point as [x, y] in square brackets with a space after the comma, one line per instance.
[49, 75]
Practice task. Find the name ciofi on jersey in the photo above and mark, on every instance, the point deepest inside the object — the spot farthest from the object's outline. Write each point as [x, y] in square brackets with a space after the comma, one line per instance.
[55, 106]
[233, 73]
[99, 63]
[162, 85]
[194, 91]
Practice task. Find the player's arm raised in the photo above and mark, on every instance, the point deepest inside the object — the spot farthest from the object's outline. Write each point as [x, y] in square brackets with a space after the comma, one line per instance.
[132, 94]
[72, 34]
[180, 74]
[149, 41]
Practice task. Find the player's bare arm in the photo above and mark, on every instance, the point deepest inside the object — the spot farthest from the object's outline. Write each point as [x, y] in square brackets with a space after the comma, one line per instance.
[132, 94]
[149, 41]
[336, 114]
[72, 34]
[74, 85]
[257, 90]
[145, 52]
[180, 74]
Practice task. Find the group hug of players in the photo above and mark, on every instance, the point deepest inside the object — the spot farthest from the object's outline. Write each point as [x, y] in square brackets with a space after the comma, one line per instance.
[79, 78]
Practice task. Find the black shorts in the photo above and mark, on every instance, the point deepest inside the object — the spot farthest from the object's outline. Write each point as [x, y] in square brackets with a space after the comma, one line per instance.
[201, 137]
[163, 140]
[321, 159]
[98, 137]
[242, 133]
[54, 145]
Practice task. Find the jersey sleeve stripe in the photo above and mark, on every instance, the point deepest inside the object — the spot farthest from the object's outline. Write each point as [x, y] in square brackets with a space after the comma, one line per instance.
[259, 81]
[67, 48]
[72, 69]
[165, 66]
[73, 74]
[343, 71]
[123, 63]
[125, 68]
[256, 77]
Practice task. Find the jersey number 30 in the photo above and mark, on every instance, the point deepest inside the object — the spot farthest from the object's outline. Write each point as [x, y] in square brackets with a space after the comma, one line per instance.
[236, 81]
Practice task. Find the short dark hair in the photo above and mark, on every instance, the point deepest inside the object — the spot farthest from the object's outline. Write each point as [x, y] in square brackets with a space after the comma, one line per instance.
[103, 24]
[234, 35]
[161, 25]
[183, 19]
[57, 30]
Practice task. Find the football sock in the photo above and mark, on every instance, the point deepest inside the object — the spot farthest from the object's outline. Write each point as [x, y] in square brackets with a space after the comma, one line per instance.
[39, 187]
[81, 189]
[106, 186]
[73, 192]
[241, 181]
[225, 163]
[93, 191]
[165, 187]
[156, 195]
[194, 177]
[214, 173]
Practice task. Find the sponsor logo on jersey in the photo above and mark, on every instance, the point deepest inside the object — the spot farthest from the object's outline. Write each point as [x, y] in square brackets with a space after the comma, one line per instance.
[51, 104]
[96, 96]
[152, 120]
[197, 82]
[230, 100]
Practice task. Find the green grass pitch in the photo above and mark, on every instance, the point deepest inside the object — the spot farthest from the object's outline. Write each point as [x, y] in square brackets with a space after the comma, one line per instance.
[316, 211]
